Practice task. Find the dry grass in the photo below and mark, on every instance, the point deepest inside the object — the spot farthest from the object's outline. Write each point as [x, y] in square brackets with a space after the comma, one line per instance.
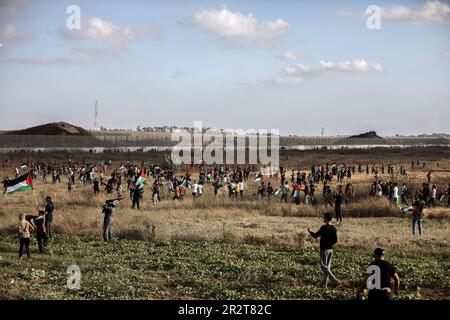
[367, 221]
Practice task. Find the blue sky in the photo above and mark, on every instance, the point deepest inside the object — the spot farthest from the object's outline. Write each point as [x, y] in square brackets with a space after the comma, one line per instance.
[295, 66]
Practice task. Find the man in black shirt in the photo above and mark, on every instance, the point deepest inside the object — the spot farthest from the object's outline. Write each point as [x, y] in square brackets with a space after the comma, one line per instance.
[96, 186]
[49, 208]
[338, 204]
[328, 238]
[387, 272]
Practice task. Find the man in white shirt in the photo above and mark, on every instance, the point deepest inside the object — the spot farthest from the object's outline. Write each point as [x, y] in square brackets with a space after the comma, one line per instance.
[395, 191]
[433, 195]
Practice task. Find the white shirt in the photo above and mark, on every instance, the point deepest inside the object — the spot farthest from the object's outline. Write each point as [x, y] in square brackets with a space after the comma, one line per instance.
[395, 192]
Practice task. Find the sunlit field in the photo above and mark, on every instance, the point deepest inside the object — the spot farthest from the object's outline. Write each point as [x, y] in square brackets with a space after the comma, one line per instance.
[214, 247]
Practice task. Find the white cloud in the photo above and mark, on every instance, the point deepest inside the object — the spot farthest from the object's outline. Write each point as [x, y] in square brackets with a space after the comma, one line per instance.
[74, 56]
[235, 26]
[430, 11]
[296, 74]
[9, 12]
[291, 56]
[10, 32]
[98, 29]
[108, 39]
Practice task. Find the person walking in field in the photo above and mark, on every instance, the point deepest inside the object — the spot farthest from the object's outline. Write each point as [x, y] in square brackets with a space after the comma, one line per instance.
[136, 197]
[270, 192]
[41, 232]
[429, 176]
[403, 192]
[338, 196]
[241, 188]
[284, 189]
[386, 274]
[328, 238]
[96, 186]
[49, 208]
[155, 191]
[108, 210]
[24, 230]
[416, 211]
[433, 196]
[395, 193]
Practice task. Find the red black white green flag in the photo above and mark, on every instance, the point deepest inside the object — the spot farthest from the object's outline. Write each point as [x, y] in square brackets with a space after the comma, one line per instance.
[22, 183]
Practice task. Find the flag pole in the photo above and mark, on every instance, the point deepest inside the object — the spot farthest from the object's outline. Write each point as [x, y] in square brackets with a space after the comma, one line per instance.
[35, 199]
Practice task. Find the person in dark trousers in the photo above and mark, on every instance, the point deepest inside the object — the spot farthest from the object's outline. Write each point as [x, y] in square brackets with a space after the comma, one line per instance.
[136, 197]
[419, 205]
[448, 195]
[387, 273]
[328, 238]
[96, 186]
[49, 208]
[41, 232]
[24, 230]
[338, 205]
[284, 192]
[108, 210]
[270, 192]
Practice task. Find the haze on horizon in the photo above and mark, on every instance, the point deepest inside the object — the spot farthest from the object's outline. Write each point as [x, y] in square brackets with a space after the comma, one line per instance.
[296, 67]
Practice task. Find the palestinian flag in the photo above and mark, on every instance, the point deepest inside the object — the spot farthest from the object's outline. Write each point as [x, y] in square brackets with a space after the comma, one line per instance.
[141, 181]
[258, 179]
[22, 183]
[410, 209]
[24, 167]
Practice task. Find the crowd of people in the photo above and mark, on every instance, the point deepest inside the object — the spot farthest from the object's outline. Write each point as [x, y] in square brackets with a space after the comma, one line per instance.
[297, 187]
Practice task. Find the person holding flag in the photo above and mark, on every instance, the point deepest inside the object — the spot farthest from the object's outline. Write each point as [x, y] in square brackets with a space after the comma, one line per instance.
[109, 209]
[22, 183]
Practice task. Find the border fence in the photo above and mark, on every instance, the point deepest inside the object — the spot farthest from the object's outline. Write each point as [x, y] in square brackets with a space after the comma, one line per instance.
[15, 143]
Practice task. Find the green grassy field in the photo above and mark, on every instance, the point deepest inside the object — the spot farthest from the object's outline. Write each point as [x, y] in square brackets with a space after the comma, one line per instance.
[203, 270]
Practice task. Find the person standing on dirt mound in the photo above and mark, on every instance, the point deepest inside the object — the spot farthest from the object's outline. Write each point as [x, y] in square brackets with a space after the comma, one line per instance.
[328, 238]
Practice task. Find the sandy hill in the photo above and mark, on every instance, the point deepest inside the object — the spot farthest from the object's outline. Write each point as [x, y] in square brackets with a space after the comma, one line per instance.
[367, 135]
[52, 129]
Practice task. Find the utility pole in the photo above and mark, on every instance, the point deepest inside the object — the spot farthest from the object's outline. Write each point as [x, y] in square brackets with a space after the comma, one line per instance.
[96, 124]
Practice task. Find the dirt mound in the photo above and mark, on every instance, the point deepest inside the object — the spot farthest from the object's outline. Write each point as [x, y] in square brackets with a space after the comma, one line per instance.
[367, 135]
[53, 129]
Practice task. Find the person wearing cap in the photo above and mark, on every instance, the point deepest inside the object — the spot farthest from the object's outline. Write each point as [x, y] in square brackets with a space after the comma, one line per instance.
[387, 273]
[328, 238]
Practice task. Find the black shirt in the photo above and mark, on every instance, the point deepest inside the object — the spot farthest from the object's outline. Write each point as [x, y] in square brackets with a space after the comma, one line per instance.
[49, 210]
[387, 271]
[328, 236]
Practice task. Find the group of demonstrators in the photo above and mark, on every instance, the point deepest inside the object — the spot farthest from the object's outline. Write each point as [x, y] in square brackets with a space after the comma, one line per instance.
[41, 223]
[297, 187]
